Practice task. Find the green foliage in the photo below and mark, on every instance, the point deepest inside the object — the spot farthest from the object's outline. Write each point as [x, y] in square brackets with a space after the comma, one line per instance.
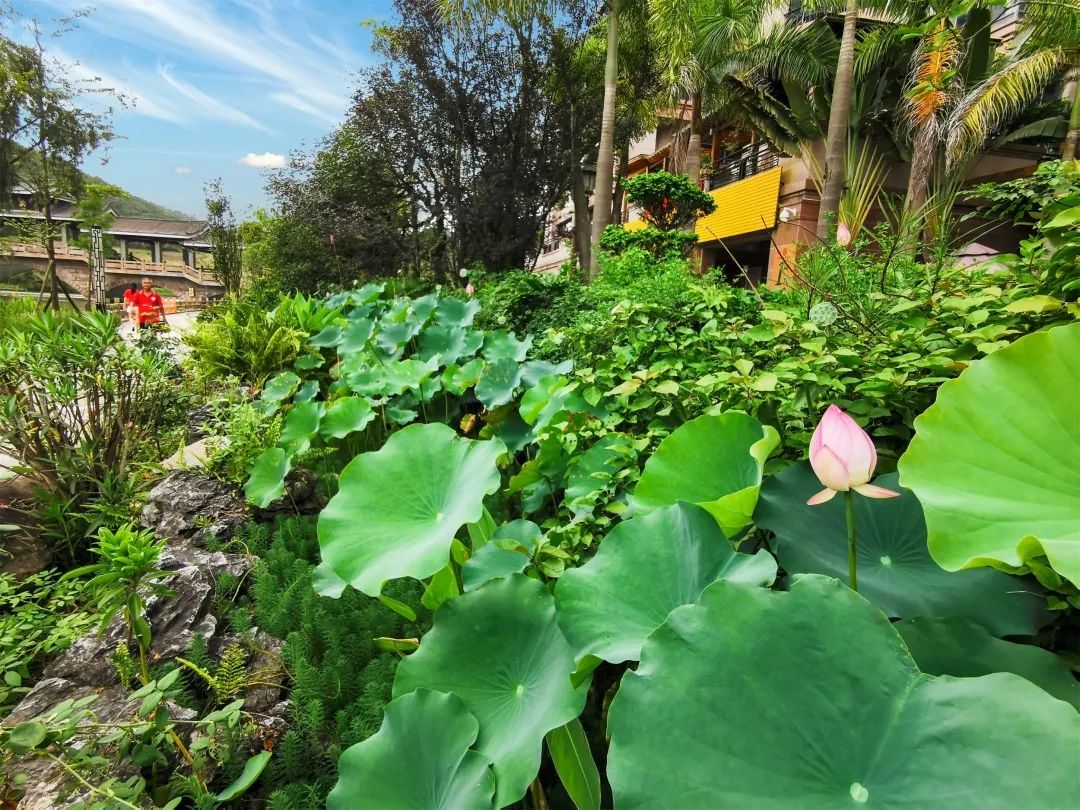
[648, 581]
[340, 679]
[401, 359]
[832, 663]
[40, 616]
[244, 436]
[1023, 199]
[528, 303]
[667, 201]
[895, 569]
[225, 237]
[438, 731]
[1023, 517]
[617, 240]
[428, 464]
[225, 678]
[242, 340]
[77, 406]
[515, 679]
[123, 578]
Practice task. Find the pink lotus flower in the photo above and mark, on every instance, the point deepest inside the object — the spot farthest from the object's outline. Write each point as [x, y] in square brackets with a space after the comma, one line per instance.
[469, 289]
[843, 458]
[843, 235]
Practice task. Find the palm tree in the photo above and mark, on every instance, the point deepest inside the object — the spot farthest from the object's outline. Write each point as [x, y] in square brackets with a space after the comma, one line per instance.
[605, 156]
[839, 122]
[961, 95]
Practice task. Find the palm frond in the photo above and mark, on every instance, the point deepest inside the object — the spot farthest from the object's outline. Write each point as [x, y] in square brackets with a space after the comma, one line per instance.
[874, 47]
[1053, 129]
[992, 103]
[935, 66]
[805, 54]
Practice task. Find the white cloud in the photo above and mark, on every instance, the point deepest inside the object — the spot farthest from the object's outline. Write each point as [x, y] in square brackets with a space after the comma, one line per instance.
[182, 170]
[313, 74]
[207, 106]
[267, 160]
[138, 101]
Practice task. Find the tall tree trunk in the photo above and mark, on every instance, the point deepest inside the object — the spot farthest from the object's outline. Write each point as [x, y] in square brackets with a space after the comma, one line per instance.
[922, 163]
[1070, 148]
[693, 148]
[605, 157]
[620, 191]
[839, 122]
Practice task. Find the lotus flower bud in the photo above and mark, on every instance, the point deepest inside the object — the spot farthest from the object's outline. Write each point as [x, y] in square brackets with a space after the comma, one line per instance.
[843, 457]
[843, 235]
[469, 289]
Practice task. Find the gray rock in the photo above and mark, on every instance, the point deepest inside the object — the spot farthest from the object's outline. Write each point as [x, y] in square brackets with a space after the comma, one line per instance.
[188, 507]
[300, 496]
[202, 422]
[174, 620]
[267, 672]
[47, 784]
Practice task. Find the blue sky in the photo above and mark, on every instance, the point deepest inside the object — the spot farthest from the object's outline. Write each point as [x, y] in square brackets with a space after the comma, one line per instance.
[219, 88]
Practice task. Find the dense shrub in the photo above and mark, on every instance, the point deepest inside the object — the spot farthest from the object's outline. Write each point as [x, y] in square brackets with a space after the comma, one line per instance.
[239, 338]
[528, 303]
[340, 680]
[1023, 199]
[667, 201]
[79, 405]
[661, 244]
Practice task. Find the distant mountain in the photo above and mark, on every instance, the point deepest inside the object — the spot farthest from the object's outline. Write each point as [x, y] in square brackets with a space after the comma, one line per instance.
[138, 207]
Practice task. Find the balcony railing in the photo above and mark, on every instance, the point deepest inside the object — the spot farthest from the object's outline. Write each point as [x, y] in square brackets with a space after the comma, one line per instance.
[750, 160]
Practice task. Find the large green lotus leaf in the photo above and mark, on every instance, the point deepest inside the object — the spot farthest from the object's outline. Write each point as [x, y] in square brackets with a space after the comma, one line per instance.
[344, 416]
[896, 571]
[397, 509]
[356, 335]
[420, 758]
[423, 307]
[497, 384]
[456, 312]
[280, 387]
[456, 379]
[644, 569]
[962, 648]
[535, 370]
[509, 552]
[713, 461]
[408, 375]
[300, 426]
[267, 480]
[329, 336]
[994, 459]
[449, 343]
[500, 345]
[393, 336]
[809, 700]
[500, 650]
[551, 396]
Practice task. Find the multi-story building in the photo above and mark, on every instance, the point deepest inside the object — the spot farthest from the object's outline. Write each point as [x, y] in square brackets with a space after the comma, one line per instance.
[767, 202]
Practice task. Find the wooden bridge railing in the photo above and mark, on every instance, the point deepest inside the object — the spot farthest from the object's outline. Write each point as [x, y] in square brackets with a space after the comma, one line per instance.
[134, 267]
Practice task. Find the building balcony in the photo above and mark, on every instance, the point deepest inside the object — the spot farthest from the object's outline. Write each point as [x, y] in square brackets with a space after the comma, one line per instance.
[751, 159]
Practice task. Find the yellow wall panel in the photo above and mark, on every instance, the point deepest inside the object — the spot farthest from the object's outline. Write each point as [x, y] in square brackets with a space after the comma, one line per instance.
[742, 207]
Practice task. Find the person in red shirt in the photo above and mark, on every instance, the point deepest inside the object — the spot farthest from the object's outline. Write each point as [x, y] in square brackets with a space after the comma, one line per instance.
[130, 309]
[151, 307]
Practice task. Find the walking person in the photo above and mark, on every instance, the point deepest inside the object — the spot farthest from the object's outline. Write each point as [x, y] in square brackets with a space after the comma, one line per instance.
[151, 309]
[130, 308]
